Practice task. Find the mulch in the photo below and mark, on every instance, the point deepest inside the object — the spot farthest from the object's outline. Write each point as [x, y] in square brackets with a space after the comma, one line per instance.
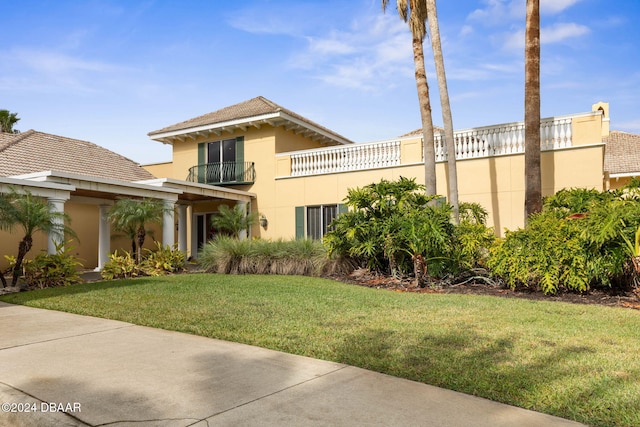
[605, 297]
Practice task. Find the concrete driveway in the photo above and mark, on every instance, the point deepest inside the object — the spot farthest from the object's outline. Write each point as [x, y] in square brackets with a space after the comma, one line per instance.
[60, 369]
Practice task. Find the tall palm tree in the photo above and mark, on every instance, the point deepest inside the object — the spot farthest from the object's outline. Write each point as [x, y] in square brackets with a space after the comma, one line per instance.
[532, 171]
[7, 120]
[447, 119]
[131, 217]
[414, 12]
[32, 214]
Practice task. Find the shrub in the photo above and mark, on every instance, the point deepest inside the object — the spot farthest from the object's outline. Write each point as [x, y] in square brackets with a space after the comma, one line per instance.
[163, 260]
[120, 266]
[394, 228]
[50, 270]
[294, 257]
[577, 242]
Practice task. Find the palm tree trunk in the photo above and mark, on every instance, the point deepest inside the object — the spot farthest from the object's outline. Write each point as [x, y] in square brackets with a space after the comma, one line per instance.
[141, 236]
[25, 246]
[532, 170]
[446, 108]
[425, 115]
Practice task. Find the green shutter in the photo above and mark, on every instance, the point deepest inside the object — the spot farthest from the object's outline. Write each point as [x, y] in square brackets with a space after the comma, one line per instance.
[342, 208]
[202, 148]
[240, 172]
[299, 222]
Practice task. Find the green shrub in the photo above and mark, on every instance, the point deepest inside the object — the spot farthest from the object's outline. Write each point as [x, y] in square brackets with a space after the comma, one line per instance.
[158, 262]
[163, 260]
[50, 270]
[577, 242]
[120, 266]
[473, 239]
[395, 228]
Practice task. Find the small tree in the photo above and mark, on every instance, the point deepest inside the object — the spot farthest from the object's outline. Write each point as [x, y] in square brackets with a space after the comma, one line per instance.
[131, 217]
[231, 221]
[32, 214]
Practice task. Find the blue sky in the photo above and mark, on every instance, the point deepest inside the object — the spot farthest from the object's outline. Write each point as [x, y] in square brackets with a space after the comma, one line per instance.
[110, 71]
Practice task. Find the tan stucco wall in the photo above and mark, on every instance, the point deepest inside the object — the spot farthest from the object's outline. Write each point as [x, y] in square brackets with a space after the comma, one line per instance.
[497, 183]
[84, 222]
[160, 170]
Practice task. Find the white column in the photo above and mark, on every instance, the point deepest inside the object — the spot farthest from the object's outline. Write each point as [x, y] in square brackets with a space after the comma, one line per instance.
[168, 233]
[104, 236]
[182, 228]
[243, 233]
[56, 237]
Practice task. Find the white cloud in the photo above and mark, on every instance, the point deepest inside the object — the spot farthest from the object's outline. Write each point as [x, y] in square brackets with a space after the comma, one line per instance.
[555, 33]
[562, 31]
[497, 12]
[375, 50]
[556, 6]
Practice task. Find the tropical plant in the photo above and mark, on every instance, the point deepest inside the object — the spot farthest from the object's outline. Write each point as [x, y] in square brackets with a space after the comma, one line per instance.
[163, 260]
[231, 221]
[581, 239]
[532, 170]
[120, 266]
[32, 214]
[132, 216]
[7, 121]
[51, 270]
[447, 119]
[414, 12]
[393, 227]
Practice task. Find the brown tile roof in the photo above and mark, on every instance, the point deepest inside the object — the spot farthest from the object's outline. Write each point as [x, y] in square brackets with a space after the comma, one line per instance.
[244, 110]
[418, 132]
[33, 151]
[622, 153]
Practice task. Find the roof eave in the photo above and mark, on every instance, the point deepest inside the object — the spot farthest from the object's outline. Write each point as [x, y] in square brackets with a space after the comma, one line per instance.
[276, 119]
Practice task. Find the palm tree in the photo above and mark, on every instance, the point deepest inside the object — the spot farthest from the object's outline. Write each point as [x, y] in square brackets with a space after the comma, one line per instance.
[131, 217]
[447, 119]
[233, 221]
[532, 171]
[32, 214]
[414, 12]
[7, 120]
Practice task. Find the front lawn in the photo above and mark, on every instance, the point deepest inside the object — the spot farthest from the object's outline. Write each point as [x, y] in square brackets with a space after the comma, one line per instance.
[574, 361]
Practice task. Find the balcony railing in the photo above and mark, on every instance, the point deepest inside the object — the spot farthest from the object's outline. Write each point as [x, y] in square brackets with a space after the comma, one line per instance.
[340, 159]
[555, 133]
[223, 173]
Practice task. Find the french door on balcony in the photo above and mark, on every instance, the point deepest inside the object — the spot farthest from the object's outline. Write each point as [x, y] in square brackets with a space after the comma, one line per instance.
[221, 156]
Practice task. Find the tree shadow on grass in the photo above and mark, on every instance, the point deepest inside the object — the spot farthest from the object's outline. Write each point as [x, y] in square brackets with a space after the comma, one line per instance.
[39, 294]
[544, 380]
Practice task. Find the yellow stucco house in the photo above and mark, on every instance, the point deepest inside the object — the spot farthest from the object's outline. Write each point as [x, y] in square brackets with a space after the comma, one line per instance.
[294, 172]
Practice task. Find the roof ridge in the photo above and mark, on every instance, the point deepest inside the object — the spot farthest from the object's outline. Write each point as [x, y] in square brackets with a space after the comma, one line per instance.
[19, 137]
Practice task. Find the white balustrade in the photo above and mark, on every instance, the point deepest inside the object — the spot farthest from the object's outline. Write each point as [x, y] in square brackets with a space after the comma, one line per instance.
[555, 133]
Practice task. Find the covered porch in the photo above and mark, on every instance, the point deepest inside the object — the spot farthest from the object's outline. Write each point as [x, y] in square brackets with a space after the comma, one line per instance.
[88, 200]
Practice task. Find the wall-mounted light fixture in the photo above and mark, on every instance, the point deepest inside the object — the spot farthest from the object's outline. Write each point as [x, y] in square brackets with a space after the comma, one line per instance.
[263, 221]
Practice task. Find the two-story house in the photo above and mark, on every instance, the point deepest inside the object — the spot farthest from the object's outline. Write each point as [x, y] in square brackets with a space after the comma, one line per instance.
[294, 172]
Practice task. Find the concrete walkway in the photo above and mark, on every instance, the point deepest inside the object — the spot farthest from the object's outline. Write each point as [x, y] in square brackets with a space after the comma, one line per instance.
[70, 370]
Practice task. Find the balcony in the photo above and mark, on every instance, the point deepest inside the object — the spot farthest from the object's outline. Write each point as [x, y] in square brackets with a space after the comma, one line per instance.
[223, 173]
[556, 133]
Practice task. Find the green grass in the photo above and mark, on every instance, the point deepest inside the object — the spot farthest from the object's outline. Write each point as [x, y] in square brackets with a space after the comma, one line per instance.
[574, 361]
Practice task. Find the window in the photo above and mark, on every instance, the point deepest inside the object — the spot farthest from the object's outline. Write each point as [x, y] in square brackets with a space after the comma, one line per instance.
[221, 155]
[318, 219]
